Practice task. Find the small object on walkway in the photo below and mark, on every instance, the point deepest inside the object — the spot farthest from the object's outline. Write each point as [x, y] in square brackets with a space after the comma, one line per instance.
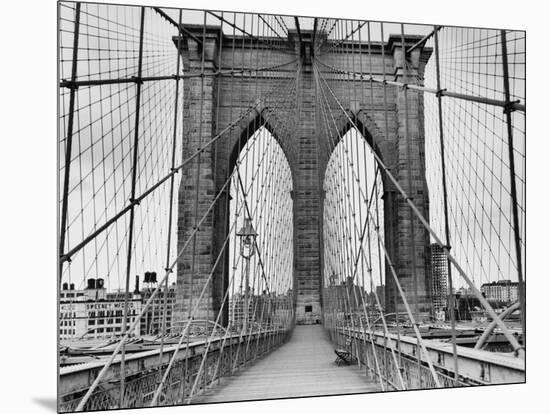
[344, 354]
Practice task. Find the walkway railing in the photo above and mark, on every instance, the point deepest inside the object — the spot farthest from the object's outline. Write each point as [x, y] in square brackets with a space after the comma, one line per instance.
[476, 367]
[144, 370]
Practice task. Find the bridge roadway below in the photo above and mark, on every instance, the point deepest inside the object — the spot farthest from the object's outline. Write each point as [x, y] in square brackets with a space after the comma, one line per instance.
[303, 367]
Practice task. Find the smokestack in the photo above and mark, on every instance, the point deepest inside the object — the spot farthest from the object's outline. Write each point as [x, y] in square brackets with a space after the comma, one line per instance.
[136, 290]
[71, 286]
[65, 286]
[100, 283]
[153, 277]
[91, 283]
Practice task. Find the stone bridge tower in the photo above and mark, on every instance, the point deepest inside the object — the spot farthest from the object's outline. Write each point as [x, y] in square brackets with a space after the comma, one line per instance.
[223, 99]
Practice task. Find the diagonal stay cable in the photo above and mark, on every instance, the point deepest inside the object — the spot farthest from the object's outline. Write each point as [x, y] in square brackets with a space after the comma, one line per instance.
[405, 302]
[512, 106]
[249, 35]
[66, 257]
[517, 347]
[73, 85]
[186, 329]
[159, 389]
[169, 270]
[341, 42]
[327, 36]
[144, 309]
[250, 216]
[386, 331]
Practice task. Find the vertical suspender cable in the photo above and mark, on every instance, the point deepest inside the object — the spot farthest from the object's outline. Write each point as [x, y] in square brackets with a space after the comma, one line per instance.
[339, 236]
[170, 208]
[132, 209]
[394, 273]
[513, 190]
[445, 207]
[68, 148]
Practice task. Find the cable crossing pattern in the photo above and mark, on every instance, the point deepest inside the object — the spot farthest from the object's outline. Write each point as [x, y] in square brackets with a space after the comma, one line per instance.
[275, 171]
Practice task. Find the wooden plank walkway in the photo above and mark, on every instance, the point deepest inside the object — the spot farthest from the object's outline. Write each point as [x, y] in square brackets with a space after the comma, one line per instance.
[303, 367]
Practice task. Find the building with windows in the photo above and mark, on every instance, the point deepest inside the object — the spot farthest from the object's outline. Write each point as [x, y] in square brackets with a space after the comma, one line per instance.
[151, 322]
[92, 313]
[438, 278]
[502, 291]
